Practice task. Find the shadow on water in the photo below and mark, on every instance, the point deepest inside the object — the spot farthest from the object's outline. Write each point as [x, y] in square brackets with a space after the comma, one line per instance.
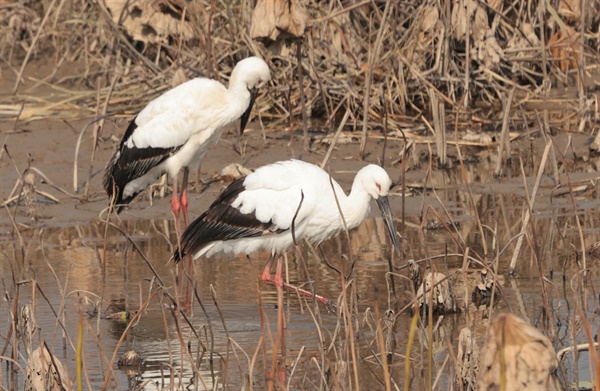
[74, 270]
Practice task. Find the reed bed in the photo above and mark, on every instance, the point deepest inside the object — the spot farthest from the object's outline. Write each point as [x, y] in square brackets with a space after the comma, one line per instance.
[414, 62]
[396, 335]
[372, 70]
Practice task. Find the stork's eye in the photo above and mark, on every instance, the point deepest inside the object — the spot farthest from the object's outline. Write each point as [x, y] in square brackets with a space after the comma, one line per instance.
[378, 186]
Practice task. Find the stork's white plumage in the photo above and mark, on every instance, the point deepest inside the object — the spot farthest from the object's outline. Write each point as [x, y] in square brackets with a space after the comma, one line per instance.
[280, 202]
[174, 131]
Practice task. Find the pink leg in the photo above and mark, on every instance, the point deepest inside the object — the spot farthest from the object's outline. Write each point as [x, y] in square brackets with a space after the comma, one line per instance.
[183, 198]
[266, 274]
[277, 366]
[176, 205]
[186, 265]
[278, 281]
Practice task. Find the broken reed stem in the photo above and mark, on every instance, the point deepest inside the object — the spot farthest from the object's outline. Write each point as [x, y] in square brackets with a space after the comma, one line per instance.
[294, 365]
[32, 45]
[302, 100]
[381, 343]
[466, 181]
[438, 113]
[345, 307]
[579, 228]
[77, 146]
[79, 352]
[98, 130]
[529, 210]
[210, 328]
[411, 337]
[504, 145]
[369, 77]
[186, 351]
[335, 138]
[432, 271]
[259, 347]
[213, 295]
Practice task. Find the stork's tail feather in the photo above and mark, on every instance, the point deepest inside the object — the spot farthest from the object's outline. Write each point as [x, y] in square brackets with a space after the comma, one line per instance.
[113, 190]
[187, 243]
[178, 255]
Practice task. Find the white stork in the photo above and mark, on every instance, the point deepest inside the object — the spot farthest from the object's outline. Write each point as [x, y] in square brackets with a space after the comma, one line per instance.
[174, 131]
[281, 202]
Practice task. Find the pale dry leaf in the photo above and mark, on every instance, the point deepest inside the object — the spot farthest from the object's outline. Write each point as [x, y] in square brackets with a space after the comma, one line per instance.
[489, 52]
[570, 9]
[525, 45]
[291, 17]
[468, 359]
[495, 4]
[480, 25]
[431, 17]
[179, 77]
[462, 11]
[46, 372]
[565, 48]
[272, 18]
[151, 21]
[520, 351]
[233, 171]
[477, 137]
[264, 25]
[443, 300]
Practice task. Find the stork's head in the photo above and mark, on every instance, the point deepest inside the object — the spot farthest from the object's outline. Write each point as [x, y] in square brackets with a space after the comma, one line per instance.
[375, 180]
[377, 183]
[251, 71]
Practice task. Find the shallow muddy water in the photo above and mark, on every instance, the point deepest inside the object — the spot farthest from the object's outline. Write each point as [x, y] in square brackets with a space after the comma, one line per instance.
[67, 263]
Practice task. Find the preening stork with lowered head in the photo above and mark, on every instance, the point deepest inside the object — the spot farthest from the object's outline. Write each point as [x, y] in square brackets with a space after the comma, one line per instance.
[174, 132]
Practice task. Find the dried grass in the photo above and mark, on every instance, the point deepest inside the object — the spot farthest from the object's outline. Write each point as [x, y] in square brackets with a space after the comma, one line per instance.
[367, 58]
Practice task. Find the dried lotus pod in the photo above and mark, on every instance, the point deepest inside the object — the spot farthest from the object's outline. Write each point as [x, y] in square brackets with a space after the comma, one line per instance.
[516, 354]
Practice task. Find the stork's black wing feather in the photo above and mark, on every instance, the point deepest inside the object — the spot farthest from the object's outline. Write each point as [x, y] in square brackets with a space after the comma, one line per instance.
[128, 164]
[222, 222]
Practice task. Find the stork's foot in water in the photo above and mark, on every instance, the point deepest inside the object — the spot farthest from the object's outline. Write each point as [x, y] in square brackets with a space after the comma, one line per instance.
[268, 279]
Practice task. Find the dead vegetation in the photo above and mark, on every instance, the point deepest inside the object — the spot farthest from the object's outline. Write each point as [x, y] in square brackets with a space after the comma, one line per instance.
[371, 58]
[516, 356]
[416, 68]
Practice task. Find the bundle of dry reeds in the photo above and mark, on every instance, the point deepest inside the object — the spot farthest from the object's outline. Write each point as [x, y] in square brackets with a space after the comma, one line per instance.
[365, 57]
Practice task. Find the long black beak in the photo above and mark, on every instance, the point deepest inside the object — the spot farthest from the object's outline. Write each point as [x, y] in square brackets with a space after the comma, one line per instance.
[246, 115]
[384, 207]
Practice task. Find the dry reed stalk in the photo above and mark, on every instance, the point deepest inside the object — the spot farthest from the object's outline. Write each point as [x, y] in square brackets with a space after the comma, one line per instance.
[439, 127]
[210, 327]
[293, 367]
[529, 210]
[382, 349]
[369, 79]
[345, 307]
[411, 337]
[504, 144]
[335, 138]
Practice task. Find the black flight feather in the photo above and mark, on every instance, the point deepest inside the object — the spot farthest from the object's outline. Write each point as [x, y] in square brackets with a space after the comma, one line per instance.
[222, 222]
[128, 164]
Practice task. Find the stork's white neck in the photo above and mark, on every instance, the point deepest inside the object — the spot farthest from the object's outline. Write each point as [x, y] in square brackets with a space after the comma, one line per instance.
[356, 205]
[236, 82]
